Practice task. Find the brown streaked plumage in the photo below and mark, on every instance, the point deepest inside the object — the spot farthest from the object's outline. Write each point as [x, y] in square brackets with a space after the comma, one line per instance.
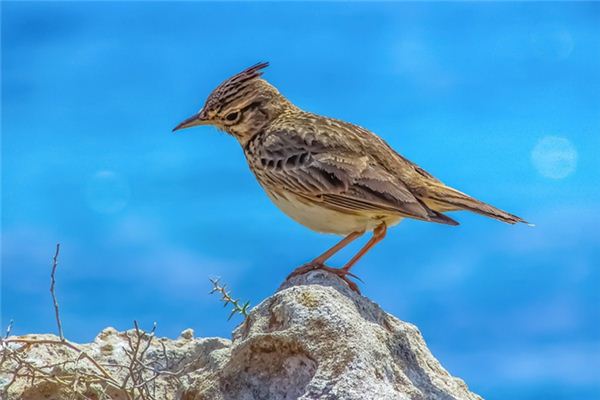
[329, 175]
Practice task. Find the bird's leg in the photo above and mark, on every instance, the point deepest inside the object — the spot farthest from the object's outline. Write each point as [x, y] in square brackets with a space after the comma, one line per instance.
[340, 245]
[319, 262]
[378, 235]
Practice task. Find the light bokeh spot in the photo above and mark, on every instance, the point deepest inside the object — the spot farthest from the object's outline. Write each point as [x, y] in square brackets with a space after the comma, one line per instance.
[553, 43]
[107, 192]
[554, 157]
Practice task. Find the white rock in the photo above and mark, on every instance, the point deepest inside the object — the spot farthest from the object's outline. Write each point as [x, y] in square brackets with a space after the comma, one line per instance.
[313, 339]
[187, 334]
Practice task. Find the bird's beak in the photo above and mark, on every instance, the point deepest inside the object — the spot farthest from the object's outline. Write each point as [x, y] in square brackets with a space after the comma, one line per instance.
[194, 120]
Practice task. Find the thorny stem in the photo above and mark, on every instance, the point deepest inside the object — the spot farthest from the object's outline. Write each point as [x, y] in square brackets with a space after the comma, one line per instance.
[227, 299]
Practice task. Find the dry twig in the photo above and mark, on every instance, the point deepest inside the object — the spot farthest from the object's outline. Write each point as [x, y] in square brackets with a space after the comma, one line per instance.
[53, 292]
[8, 329]
[135, 381]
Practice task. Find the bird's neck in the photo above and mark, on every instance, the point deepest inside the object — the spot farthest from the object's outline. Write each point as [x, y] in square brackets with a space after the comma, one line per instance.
[262, 117]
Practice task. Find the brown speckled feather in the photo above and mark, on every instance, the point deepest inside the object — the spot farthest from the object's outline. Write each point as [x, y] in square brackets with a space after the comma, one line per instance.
[312, 157]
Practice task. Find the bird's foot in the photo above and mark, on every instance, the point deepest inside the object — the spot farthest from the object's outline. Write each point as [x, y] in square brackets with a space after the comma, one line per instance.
[340, 272]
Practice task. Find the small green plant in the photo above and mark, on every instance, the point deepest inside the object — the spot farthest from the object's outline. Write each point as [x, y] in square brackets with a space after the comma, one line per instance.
[226, 298]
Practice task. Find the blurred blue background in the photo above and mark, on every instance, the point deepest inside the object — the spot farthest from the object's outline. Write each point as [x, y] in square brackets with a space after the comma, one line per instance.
[501, 100]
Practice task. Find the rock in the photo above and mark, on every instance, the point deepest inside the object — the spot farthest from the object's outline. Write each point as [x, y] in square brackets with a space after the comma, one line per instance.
[313, 339]
[187, 334]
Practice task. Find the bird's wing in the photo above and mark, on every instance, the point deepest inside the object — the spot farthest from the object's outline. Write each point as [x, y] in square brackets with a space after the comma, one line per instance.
[324, 170]
[425, 187]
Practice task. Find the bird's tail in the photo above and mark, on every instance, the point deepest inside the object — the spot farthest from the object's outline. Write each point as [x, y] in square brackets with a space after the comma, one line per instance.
[450, 199]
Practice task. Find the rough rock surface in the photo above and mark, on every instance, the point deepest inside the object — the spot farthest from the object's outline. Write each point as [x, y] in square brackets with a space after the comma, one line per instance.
[313, 339]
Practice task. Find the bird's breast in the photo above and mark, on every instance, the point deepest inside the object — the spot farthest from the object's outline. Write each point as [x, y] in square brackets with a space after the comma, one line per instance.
[317, 217]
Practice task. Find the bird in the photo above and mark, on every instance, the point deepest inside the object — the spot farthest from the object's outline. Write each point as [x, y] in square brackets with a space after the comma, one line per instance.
[329, 175]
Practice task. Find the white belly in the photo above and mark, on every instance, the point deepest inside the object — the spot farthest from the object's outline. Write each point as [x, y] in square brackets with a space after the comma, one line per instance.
[325, 220]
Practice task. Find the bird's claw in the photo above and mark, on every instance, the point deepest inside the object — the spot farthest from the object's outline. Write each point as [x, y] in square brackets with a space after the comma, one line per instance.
[340, 272]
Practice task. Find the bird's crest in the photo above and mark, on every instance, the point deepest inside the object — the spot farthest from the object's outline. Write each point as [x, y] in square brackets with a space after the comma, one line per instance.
[236, 83]
[249, 73]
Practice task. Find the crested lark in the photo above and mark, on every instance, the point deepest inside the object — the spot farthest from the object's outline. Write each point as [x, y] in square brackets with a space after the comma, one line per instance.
[329, 175]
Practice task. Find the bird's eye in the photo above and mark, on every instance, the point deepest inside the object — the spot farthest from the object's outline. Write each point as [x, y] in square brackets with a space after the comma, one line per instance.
[232, 116]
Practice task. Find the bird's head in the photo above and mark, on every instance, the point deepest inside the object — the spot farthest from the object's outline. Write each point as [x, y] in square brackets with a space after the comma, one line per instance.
[241, 106]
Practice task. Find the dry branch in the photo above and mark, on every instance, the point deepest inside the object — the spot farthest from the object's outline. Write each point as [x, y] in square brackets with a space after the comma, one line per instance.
[53, 292]
[77, 380]
[135, 381]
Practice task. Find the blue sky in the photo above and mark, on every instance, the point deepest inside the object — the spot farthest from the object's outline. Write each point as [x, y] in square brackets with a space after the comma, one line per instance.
[501, 100]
